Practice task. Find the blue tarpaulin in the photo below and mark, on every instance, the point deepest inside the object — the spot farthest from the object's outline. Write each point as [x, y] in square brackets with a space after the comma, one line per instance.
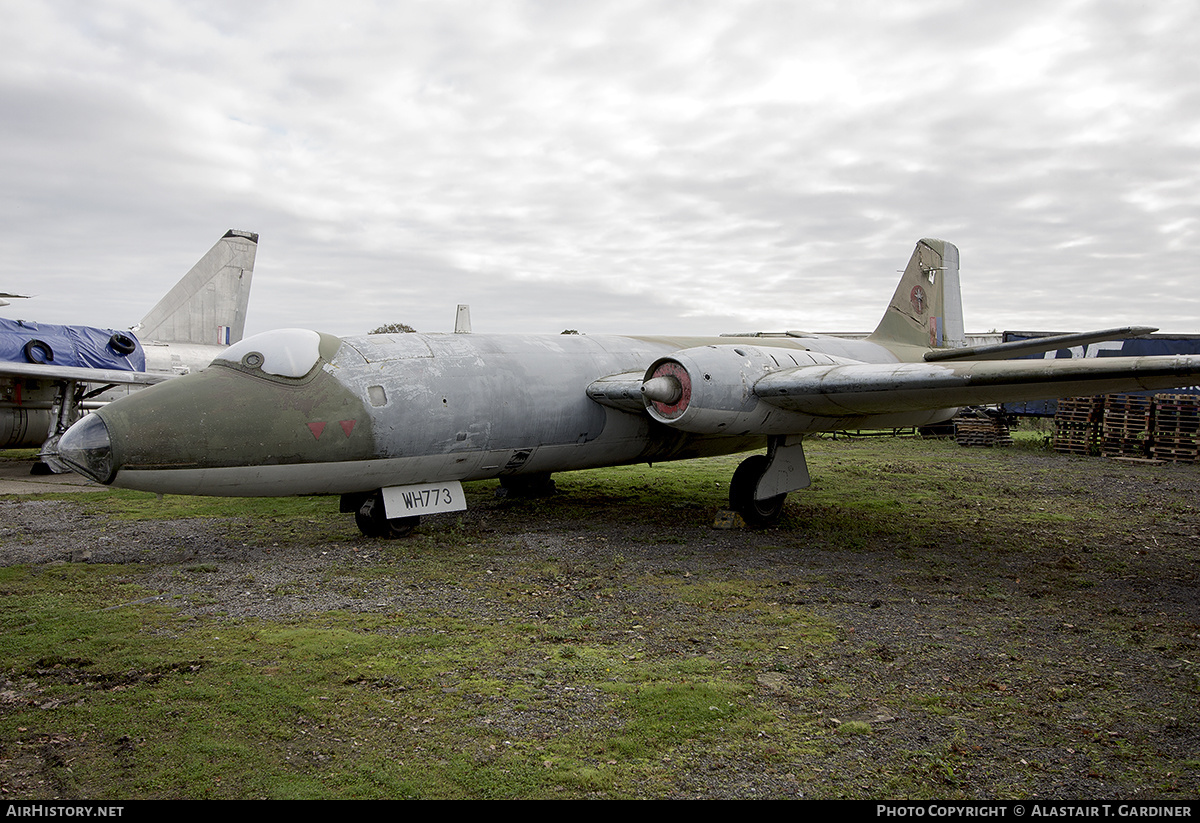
[23, 341]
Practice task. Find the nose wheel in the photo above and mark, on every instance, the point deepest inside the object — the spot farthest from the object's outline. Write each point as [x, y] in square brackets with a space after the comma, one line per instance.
[372, 520]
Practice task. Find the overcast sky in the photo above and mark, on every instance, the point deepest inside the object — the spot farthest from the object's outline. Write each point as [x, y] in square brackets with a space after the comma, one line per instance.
[643, 166]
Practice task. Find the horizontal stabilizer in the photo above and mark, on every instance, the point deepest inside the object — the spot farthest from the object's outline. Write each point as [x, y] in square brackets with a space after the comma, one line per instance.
[1036, 345]
[837, 391]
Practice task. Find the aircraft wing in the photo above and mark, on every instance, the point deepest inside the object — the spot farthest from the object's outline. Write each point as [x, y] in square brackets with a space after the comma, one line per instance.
[80, 374]
[759, 390]
[858, 389]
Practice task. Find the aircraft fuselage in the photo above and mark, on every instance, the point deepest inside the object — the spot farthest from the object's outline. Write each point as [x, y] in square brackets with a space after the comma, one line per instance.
[389, 410]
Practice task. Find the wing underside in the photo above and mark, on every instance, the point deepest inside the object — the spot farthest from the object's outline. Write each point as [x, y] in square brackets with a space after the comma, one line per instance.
[867, 389]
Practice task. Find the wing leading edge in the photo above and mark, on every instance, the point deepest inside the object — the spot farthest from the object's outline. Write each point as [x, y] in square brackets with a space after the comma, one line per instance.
[81, 374]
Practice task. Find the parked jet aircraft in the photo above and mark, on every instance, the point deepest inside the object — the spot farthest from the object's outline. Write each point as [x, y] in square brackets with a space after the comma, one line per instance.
[394, 423]
[50, 374]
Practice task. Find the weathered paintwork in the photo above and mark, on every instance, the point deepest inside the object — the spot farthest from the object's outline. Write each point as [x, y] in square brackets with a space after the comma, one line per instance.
[381, 411]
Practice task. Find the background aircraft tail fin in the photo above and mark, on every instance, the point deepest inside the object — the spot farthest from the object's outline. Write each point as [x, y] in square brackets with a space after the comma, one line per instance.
[926, 310]
[208, 305]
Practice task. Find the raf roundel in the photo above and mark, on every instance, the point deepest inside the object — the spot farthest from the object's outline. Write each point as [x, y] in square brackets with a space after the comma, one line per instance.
[917, 298]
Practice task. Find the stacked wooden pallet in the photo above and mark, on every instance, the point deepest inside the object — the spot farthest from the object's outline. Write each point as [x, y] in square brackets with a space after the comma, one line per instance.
[1130, 427]
[1127, 427]
[1176, 428]
[981, 431]
[1077, 424]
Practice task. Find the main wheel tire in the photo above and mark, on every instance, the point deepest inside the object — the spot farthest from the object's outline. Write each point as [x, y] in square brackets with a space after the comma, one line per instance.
[526, 486]
[758, 514]
[372, 520]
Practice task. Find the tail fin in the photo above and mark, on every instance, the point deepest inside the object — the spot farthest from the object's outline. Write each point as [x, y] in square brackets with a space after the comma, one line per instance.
[209, 304]
[926, 310]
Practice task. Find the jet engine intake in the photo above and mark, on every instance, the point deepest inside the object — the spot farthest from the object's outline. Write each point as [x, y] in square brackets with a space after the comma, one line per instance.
[710, 389]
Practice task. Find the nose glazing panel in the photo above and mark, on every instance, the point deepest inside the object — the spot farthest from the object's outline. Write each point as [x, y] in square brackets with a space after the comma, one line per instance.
[87, 448]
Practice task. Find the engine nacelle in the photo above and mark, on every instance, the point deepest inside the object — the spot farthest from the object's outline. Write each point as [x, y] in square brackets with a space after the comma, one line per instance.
[710, 389]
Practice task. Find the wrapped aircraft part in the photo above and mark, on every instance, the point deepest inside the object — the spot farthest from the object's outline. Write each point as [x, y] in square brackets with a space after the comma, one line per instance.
[22, 341]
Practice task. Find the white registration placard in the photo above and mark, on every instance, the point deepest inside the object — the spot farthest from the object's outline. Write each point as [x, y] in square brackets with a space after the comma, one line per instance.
[423, 498]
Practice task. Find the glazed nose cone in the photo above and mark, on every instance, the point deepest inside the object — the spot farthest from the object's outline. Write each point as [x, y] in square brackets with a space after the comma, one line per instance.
[87, 449]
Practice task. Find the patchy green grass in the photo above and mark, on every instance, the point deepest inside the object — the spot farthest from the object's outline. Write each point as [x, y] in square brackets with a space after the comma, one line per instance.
[280, 519]
[115, 695]
[136, 702]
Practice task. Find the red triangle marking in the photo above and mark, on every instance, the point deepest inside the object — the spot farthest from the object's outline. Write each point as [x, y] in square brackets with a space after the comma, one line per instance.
[316, 429]
[348, 426]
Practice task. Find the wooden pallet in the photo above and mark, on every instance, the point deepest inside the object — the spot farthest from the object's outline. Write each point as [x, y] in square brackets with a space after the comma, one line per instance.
[1125, 448]
[1130, 427]
[1127, 425]
[1077, 425]
[974, 431]
[1080, 409]
[1174, 454]
[1176, 436]
[1177, 413]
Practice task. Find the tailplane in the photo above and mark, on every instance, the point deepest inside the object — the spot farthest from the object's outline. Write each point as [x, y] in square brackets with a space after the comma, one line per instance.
[926, 310]
[208, 305]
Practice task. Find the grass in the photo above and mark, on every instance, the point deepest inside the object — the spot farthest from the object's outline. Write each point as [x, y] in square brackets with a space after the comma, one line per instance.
[138, 701]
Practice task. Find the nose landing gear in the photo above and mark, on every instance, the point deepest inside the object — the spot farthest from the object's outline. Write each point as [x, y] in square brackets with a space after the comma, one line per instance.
[372, 519]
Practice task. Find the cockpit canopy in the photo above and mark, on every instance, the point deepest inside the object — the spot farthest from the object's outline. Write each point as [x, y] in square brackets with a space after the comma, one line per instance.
[281, 353]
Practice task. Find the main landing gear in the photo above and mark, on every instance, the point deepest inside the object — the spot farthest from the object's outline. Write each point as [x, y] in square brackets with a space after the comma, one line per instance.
[371, 518]
[758, 514]
[761, 483]
[540, 484]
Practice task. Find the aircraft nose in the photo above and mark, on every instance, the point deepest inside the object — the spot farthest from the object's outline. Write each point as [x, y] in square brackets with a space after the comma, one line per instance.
[87, 448]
